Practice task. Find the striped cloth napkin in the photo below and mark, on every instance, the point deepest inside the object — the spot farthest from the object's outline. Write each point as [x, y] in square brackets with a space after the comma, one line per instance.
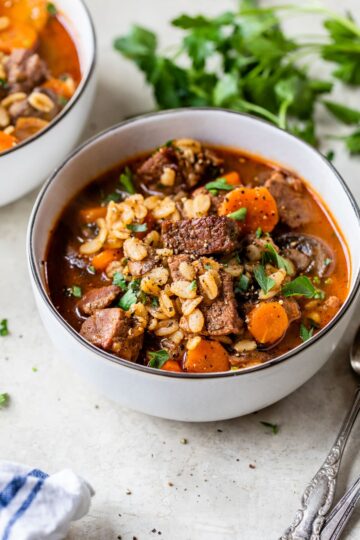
[36, 506]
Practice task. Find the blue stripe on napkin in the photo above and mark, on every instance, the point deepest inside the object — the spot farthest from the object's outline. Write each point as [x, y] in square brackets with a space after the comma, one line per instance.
[12, 488]
[25, 505]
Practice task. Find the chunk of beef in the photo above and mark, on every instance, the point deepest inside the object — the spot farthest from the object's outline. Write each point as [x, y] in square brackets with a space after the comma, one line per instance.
[309, 253]
[25, 70]
[99, 298]
[249, 359]
[290, 195]
[202, 236]
[328, 309]
[221, 315]
[22, 108]
[184, 167]
[109, 330]
[292, 309]
[139, 268]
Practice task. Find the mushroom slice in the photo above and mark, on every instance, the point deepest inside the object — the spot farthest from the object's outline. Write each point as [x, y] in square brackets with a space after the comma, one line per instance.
[309, 253]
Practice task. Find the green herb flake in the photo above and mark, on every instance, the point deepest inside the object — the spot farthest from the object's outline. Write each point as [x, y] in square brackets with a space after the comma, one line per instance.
[306, 334]
[51, 9]
[274, 427]
[266, 283]
[219, 184]
[330, 155]
[137, 227]
[4, 330]
[75, 291]
[346, 115]
[4, 400]
[120, 281]
[259, 232]
[238, 215]
[126, 180]
[158, 358]
[127, 300]
[3, 83]
[193, 285]
[302, 286]
[91, 269]
[63, 101]
[213, 192]
[242, 284]
[34, 369]
[327, 261]
[154, 302]
[271, 255]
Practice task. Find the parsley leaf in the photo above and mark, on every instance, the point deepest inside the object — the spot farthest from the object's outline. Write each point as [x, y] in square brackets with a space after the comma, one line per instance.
[137, 227]
[330, 155]
[302, 286]
[116, 197]
[352, 142]
[51, 9]
[266, 283]
[4, 400]
[75, 291]
[306, 334]
[193, 285]
[259, 232]
[158, 358]
[131, 296]
[242, 284]
[120, 281]
[341, 112]
[274, 427]
[126, 180]
[220, 183]
[238, 215]
[271, 255]
[4, 330]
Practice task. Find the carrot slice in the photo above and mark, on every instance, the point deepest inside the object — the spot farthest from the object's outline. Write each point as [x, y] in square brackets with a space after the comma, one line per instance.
[18, 35]
[6, 141]
[172, 365]
[207, 357]
[89, 215]
[102, 259]
[260, 204]
[232, 178]
[33, 12]
[59, 87]
[268, 322]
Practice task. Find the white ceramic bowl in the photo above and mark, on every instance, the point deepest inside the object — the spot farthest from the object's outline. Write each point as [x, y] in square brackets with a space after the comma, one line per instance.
[25, 166]
[191, 397]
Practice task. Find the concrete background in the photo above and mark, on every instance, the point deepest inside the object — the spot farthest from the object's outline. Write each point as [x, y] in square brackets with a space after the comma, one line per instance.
[205, 489]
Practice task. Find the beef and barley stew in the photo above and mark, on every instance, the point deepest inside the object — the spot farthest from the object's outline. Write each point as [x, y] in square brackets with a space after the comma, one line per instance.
[39, 68]
[197, 259]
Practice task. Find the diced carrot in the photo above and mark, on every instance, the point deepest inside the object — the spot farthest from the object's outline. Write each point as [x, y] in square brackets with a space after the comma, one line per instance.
[102, 259]
[260, 204]
[207, 357]
[268, 322]
[6, 141]
[27, 126]
[33, 12]
[18, 35]
[172, 365]
[232, 178]
[90, 215]
[59, 87]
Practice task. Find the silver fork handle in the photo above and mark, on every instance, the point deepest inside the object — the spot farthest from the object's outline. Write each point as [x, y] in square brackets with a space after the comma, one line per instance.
[318, 496]
[341, 514]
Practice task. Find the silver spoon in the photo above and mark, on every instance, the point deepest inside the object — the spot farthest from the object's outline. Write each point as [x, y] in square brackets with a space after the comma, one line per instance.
[318, 496]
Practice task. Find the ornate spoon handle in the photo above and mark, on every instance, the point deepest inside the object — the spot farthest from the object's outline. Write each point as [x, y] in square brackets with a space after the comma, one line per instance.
[341, 514]
[318, 496]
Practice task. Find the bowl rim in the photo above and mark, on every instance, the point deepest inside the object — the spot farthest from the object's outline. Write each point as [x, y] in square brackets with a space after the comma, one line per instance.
[85, 79]
[158, 372]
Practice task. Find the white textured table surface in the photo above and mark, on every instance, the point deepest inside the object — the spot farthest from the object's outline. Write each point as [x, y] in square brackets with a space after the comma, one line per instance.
[202, 490]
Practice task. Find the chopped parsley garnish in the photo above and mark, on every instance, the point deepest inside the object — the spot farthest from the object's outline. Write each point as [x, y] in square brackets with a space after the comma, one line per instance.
[158, 358]
[34, 369]
[4, 330]
[51, 9]
[306, 334]
[4, 400]
[137, 227]
[63, 101]
[91, 269]
[120, 281]
[3, 83]
[330, 155]
[207, 266]
[242, 284]
[274, 427]
[327, 261]
[116, 197]
[154, 302]
[220, 183]
[193, 285]
[266, 283]
[126, 180]
[271, 255]
[131, 296]
[259, 232]
[302, 286]
[238, 215]
[75, 290]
